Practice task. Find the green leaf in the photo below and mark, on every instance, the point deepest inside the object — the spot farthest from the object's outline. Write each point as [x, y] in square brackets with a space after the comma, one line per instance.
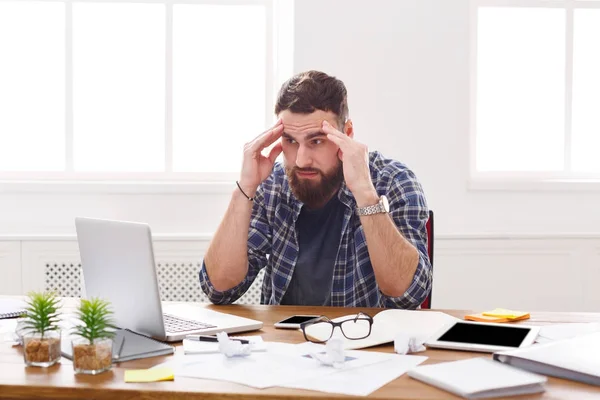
[96, 318]
[41, 313]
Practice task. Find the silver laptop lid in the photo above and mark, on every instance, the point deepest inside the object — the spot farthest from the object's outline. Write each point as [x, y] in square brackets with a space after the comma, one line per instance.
[117, 260]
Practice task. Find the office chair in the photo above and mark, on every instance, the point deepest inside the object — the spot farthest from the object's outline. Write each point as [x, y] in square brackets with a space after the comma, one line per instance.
[429, 226]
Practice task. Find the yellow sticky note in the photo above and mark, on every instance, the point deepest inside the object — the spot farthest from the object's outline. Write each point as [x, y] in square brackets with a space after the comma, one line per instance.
[485, 318]
[149, 375]
[504, 313]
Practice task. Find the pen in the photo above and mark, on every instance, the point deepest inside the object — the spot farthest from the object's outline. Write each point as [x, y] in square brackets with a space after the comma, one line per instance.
[208, 338]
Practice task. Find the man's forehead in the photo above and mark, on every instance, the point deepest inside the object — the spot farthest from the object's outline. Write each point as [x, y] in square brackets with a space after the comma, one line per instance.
[305, 121]
[301, 132]
[302, 128]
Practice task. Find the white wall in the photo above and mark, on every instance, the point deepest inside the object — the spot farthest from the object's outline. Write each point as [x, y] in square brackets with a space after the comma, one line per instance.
[405, 63]
[406, 66]
[53, 214]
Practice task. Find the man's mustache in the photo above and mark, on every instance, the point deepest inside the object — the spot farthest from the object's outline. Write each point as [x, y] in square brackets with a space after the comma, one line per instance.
[306, 170]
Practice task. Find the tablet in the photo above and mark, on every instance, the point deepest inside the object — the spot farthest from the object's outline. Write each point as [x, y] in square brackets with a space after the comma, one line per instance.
[483, 336]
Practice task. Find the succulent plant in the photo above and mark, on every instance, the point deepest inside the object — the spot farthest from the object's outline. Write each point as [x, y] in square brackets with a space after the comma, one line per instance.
[96, 318]
[41, 313]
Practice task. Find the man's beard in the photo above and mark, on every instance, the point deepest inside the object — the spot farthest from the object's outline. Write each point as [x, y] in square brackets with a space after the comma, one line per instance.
[311, 192]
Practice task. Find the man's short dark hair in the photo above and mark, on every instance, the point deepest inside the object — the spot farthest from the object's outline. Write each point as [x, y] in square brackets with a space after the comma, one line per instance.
[309, 91]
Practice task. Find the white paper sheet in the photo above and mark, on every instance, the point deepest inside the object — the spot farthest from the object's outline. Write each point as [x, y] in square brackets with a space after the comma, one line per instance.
[550, 333]
[361, 381]
[7, 330]
[281, 363]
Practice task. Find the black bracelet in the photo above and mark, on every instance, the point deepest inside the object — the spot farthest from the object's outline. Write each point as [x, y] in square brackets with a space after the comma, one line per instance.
[241, 190]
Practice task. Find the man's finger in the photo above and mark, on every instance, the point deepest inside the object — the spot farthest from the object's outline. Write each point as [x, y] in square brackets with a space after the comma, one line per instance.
[339, 142]
[275, 152]
[276, 124]
[267, 138]
[270, 138]
[268, 131]
[329, 129]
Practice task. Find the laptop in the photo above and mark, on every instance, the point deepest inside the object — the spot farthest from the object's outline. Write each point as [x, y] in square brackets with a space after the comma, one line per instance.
[117, 260]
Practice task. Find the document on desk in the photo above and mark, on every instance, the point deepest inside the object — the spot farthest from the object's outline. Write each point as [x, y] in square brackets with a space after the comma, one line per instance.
[360, 381]
[282, 363]
[550, 333]
[7, 331]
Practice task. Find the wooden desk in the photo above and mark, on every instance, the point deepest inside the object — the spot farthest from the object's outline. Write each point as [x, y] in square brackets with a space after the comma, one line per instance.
[59, 381]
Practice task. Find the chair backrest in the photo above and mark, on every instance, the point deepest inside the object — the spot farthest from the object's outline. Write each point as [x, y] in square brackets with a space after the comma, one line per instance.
[427, 302]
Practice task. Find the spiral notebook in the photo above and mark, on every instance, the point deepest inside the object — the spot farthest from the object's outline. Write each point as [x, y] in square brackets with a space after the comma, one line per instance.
[128, 345]
[11, 308]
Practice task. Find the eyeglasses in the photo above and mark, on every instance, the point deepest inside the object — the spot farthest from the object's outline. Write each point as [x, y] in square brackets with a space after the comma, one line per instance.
[321, 329]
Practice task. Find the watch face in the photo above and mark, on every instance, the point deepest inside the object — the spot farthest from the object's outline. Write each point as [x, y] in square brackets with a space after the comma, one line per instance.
[386, 205]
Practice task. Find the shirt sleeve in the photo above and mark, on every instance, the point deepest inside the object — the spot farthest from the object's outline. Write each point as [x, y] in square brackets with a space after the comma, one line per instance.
[408, 209]
[259, 245]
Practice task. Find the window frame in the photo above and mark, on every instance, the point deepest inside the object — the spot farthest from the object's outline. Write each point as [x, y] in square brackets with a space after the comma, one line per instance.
[564, 180]
[279, 62]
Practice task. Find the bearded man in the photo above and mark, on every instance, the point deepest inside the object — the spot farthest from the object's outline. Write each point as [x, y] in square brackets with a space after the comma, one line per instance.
[334, 225]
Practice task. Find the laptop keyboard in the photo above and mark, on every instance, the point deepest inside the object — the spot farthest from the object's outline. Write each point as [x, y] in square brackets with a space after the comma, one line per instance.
[177, 324]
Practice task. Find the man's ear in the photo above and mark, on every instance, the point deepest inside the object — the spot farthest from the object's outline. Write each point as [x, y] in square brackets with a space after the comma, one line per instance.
[349, 128]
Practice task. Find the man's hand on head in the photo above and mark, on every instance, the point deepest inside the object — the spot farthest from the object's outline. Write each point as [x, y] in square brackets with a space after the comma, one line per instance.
[256, 167]
[355, 160]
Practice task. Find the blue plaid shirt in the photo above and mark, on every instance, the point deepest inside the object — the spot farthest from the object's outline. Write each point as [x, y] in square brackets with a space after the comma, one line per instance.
[273, 241]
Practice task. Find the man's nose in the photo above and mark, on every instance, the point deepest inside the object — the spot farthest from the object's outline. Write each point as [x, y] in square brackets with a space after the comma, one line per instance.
[303, 157]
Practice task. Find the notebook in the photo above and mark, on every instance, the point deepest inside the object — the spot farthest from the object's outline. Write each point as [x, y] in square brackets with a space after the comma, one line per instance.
[479, 378]
[387, 325]
[11, 308]
[128, 345]
[575, 359]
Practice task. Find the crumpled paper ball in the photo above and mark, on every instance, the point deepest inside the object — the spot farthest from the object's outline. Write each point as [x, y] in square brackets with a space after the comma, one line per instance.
[404, 344]
[232, 348]
[334, 353]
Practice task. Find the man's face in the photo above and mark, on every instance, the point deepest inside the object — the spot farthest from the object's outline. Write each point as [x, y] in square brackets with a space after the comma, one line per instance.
[311, 160]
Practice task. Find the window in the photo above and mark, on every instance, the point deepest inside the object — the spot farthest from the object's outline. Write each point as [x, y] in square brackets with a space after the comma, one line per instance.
[144, 90]
[536, 89]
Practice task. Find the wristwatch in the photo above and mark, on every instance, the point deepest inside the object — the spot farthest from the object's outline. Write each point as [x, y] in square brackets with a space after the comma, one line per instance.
[381, 207]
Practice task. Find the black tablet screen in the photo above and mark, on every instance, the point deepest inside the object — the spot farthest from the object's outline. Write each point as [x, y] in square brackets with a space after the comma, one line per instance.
[508, 336]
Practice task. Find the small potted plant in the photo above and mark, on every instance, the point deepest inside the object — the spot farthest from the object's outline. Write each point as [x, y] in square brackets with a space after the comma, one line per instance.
[92, 350]
[41, 333]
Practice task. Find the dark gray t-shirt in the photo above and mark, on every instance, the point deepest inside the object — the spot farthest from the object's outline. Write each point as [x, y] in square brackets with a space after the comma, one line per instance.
[319, 234]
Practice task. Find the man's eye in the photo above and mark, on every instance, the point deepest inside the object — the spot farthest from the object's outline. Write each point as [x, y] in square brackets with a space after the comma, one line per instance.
[290, 141]
[317, 141]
